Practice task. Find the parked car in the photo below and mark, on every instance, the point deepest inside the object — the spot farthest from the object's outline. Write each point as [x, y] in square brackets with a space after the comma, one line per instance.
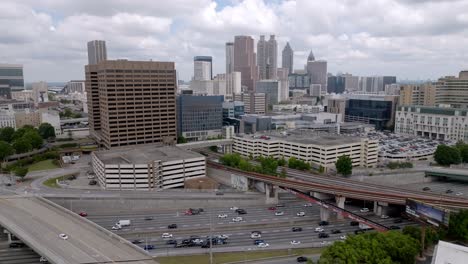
[301, 259]
[172, 226]
[297, 229]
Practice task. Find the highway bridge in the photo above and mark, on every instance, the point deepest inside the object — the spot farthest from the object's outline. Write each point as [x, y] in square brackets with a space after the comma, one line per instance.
[38, 222]
[343, 187]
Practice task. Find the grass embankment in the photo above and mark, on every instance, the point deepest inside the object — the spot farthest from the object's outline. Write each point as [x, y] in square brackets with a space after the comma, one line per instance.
[220, 258]
[42, 165]
[52, 182]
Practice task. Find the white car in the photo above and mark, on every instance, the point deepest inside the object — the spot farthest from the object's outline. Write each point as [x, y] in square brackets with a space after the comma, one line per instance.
[294, 242]
[197, 241]
[459, 193]
[364, 210]
[279, 213]
[263, 245]
[307, 205]
[234, 208]
[166, 235]
[223, 236]
[255, 235]
[300, 214]
[116, 227]
[43, 260]
[325, 242]
[343, 237]
[222, 215]
[63, 236]
[237, 219]
[384, 216]
[319, 229]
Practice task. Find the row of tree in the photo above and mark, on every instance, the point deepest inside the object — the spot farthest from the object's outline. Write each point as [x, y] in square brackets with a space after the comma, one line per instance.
[23, 139]
[267, 165]
[448, 155]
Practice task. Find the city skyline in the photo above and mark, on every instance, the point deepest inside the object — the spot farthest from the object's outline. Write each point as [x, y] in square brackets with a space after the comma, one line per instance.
[50, 37]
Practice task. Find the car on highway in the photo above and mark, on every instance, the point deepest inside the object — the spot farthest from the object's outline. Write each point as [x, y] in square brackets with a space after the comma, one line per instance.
[148, 247]
[116, 227]
[449, 191]
[354, 223]
[300, 213]
[255, 235]
[343, 237]
[323, 235]
[197, 241]
[263, 245]
[137, 241]
[397, 221]
[359, 231]
[295, 242]
[222, 215]
[63, 236]
[43, 260]
[241, 211]
[83, 214]
[92, 182]
[148, 218]
[296, 229]
[459, 193]
[325, 242]
[335, 231]
[323, 223]
[272, 208]
[172, 226]
[308, 205]
[171, 242]
[280, 205]
[394, 227]
[166, 235]
[426, 189]
[279, 213]
[384, 216]
[319, 229]
[364, 210]
[302, 259]
[17, 245]
[234, 208]
[237, 219]
[206, 244]
[258, 241]
[223, 236]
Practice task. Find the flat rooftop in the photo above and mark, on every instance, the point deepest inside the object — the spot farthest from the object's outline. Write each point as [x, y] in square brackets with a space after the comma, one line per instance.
[144, 154]
[308, 138]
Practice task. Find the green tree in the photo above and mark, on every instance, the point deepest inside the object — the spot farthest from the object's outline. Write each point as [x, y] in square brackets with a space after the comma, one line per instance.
[282, 162]
[22, 145]
[458, 225]
[344, 165]
[6, 134]
[269, 165]
[46, 130]
[5, 150]
[446, 155]
[294, 163]
[21, 131]
[21, 171]
[462, 147]
[213, 148]
[181, 140]
[34, 138]
[283, 173]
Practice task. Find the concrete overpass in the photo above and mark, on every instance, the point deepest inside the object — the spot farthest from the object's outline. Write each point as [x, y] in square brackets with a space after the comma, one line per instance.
[453, 174]
[226, 143]
[38, 223]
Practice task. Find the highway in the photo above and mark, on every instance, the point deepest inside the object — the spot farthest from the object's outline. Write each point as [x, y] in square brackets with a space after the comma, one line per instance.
[38, 223]
[276, 230]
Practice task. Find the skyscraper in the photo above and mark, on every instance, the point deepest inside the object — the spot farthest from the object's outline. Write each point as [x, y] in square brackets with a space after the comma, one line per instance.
[288, 58]
[11, 77]
[202, 68]
[229, 57]
[267, 57]
[97, 51]
[317, 70]
[245, 61]
[131, 102]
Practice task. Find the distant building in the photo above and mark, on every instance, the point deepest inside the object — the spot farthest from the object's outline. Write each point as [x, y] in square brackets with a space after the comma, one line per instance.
[250, 124]
[317, 70]
[288, 58]
[245, 61]
[267, 56]
[299, 81]
[233, 109]
[254, 103]
[232, 83]
[336, 84]
[372, 109]
[449, 253]
[40, 92]
[148, 167]
[423, 94]
[228, 132]
[432, 122]
[36, 118]
[24, 95]
[5, 91]
[74, 86]
[453, 91]
[317, 90]
[272, 91]
[199, 117]
[296, 108]
[7, 119]
[351, 82]
[283, 79]
[11, 75]
[375, 84]
[337, 106]
[229, 57]
[97, 51]
[203, 68]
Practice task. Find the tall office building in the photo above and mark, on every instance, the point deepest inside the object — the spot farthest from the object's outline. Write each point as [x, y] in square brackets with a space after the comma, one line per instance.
[288, 58]
[336, 84]
[97, 51]
[131, 102]
[254, 103]
[229, 57]
[453, 91]
[271, 88]
[423, 94]
[282, 76]
[245, 61]
[202, 68]
[317, 70]
[267, 56]
[11, 77]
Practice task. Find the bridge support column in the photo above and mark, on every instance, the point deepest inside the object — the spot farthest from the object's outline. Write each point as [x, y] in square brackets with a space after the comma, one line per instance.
[227, 149]
[340, 202]
[322, 196]
[380, 208]
[324, 214]
[271, 193]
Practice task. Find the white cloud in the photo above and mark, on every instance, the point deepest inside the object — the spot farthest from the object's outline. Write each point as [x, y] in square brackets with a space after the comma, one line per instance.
[411, 39]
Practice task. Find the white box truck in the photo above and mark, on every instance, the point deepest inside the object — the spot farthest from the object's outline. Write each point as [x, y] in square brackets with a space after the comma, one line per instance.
[123, 223]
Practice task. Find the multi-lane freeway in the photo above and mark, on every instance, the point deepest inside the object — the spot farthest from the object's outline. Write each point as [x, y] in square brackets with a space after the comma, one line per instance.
[276, 230]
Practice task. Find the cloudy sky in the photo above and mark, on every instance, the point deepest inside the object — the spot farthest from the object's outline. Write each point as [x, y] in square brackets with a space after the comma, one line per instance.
[412, 39]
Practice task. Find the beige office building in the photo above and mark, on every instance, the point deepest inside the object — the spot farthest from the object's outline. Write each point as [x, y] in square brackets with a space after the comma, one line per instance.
[337, 106]
[453, 91]
[423, 94]
[254, 103]
[131, 102]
